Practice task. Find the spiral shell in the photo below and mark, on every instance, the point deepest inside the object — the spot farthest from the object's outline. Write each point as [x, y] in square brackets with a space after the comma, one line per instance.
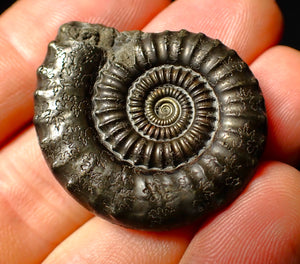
[148, 130]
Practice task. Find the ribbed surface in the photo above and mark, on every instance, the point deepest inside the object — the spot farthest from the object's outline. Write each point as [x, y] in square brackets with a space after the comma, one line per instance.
[163, 111]
[165, 119]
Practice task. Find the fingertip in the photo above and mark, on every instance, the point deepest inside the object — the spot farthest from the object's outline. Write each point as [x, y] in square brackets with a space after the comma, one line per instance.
[99, 241]
[278, 75]
[261, 226]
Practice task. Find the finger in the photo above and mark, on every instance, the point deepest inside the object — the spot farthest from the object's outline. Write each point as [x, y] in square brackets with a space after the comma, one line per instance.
[101, 242]
[278, 73]
[27, 28]
[35, 212]
[248, 26]
[262, 226]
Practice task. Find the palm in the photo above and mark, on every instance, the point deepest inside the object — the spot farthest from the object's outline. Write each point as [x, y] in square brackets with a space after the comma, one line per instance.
[38, 220]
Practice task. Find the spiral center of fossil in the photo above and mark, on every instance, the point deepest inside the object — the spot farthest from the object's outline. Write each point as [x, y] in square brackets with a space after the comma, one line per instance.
[166, 112]
[167, 109]
[163, 111]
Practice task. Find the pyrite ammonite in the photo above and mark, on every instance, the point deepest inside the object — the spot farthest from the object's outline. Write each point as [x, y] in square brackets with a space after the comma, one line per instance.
[148, 130]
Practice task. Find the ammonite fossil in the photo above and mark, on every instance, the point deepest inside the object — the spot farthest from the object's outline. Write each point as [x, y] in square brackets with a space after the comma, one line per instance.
[148, 130]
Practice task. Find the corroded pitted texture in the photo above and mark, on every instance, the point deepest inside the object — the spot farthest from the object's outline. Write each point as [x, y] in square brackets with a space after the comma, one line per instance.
[149, 130]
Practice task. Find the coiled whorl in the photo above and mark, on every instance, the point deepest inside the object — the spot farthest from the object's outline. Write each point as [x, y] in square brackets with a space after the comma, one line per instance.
[149, 130]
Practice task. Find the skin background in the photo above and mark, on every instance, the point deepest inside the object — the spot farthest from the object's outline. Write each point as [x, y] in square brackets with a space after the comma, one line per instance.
[290, 9]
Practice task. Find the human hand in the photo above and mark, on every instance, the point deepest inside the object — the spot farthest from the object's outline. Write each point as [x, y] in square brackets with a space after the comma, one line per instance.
[40, 221]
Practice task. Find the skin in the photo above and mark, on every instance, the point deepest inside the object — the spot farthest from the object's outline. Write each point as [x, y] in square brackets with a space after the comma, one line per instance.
[40, 222]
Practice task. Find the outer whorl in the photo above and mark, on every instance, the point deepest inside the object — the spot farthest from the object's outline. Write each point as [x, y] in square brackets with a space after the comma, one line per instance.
[149, 130]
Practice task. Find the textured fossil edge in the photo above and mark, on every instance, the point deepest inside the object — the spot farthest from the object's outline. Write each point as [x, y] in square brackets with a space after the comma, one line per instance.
[135, 198]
